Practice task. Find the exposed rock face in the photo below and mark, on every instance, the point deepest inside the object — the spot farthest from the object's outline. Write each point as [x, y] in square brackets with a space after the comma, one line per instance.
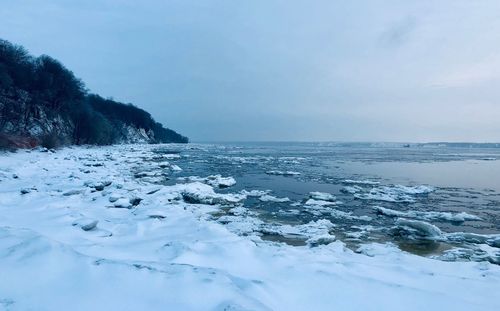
[30, 124]
[133, 135]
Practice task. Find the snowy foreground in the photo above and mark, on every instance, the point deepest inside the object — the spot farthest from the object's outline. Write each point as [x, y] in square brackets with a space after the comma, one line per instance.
[85, 229]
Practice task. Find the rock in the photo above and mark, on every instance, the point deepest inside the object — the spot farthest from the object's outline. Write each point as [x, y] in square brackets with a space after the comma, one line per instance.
[72, 192]
[86, 224]
[89, 226]
[25, 191]
[135, 201]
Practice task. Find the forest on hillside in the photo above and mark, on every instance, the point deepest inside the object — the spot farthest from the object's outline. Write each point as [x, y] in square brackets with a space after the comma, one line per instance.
[42, 100]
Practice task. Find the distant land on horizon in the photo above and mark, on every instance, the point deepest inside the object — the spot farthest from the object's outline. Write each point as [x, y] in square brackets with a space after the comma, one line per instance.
[373, 143]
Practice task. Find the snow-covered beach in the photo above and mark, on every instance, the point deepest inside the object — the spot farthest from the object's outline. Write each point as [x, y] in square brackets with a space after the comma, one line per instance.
[88, 228]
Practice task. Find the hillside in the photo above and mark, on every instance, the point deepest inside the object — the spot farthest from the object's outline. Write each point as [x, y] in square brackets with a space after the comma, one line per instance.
[43, 103]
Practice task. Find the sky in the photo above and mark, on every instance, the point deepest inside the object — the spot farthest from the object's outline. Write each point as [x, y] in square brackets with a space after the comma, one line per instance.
[276, 70]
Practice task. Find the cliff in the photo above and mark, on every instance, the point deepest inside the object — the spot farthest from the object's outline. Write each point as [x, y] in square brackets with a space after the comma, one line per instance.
[43, 103]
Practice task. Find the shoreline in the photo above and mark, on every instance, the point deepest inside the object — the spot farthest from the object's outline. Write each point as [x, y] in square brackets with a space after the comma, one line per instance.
[79, 231]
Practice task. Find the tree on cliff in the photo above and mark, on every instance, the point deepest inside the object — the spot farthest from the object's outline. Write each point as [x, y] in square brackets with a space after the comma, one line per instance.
[42, 90]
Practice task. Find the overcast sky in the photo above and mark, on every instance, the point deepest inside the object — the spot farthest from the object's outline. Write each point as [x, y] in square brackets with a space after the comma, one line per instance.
[367, 70]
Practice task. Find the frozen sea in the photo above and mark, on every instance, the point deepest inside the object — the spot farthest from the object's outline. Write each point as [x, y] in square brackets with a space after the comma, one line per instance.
[251, 226]
[373, 186]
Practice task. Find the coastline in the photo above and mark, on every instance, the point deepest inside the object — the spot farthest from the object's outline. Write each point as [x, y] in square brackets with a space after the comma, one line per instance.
[164, 251]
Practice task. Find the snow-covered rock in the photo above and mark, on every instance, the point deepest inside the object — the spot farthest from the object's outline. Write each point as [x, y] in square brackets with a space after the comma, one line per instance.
[86, 224]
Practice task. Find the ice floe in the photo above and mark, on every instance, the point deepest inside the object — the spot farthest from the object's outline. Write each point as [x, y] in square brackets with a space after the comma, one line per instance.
[352, 189]
[283, 173]
[212, 180]
[432, 215]
[314, 202]
[313, 233]
[270, 198]
[322, 196]
[395, 194]
[255, 193]
[200, 193]
[482, 253]
[490, 239]
[417, 228]
[319, 208]
[360, 182]
[122, 203]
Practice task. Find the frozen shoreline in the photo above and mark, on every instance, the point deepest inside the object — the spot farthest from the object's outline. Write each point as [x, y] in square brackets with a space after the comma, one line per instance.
[154, 251]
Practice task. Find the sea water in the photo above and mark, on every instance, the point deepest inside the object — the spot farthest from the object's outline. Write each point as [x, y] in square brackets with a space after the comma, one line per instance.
[374, 189]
